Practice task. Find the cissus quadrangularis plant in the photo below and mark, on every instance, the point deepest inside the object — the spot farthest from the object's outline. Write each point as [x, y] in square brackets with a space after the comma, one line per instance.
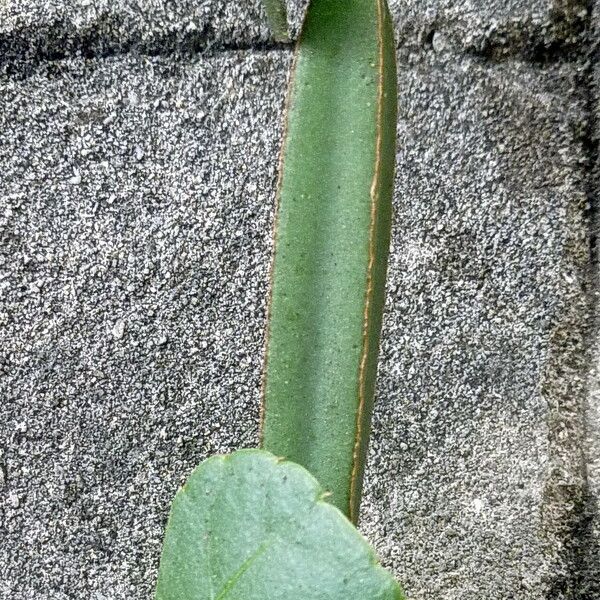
[251, 525]
[331, 243]
[277, 15]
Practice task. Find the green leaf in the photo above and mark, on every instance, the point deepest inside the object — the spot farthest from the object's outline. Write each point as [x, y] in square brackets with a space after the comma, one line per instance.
[332, 234]
[249, 526]
[277, 16]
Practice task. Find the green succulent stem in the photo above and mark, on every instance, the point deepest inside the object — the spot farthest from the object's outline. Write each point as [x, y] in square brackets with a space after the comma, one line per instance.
[277, 17]
[332, 232]
[230, 536]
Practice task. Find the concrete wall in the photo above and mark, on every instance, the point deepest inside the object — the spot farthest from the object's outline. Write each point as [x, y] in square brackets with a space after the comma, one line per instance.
[138, 146]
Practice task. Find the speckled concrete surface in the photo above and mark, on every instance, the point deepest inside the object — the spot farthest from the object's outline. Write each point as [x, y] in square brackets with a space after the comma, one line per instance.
[136, 210]
[500, 28]
[138, 162]
[54, 28]
[478, 415]
[590, 532]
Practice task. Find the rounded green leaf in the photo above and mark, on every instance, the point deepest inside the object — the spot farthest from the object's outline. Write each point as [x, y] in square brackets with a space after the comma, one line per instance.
[249, 526]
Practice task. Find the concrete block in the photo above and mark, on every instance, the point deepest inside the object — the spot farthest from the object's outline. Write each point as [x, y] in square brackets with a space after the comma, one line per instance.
[494, 28]
[36, 30]
[475, 486]
[137, 194]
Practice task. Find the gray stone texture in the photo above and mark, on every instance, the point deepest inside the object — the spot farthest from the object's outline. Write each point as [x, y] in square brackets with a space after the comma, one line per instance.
[137, 196]
[478, 413]
[56, 28]
[497, 27]
[590, 527]
[590, 534]
[138, 152]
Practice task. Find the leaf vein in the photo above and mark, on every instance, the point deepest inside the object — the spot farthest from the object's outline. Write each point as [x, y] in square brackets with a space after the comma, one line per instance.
[232, 581]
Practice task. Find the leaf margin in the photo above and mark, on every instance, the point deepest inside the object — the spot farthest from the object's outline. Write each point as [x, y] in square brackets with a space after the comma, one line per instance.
[224, 466]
